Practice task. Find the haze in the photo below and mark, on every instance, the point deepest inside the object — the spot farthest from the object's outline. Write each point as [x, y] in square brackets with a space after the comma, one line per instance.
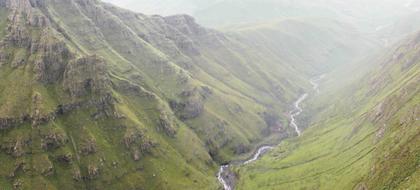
[209, 94]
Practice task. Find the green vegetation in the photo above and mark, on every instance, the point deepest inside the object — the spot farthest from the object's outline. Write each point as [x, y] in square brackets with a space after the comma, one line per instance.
[314, 46]
[96, 97]
[370, 139]
[93, 96]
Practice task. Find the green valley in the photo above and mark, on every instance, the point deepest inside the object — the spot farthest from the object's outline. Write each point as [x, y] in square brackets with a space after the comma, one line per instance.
[95, 96]
[370, 139]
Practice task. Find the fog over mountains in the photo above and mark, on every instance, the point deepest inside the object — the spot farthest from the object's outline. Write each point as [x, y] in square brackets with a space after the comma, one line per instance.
[209, 94]
[385, 18]
[254, 10]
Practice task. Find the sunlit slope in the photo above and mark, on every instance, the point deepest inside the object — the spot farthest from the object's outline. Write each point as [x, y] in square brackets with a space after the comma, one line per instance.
[367, 138]
[97, 97]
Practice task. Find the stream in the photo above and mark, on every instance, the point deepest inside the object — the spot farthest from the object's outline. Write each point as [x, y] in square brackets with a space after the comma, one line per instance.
[226, 178]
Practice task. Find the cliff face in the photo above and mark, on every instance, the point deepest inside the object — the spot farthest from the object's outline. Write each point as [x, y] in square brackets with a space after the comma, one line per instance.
[96, 97]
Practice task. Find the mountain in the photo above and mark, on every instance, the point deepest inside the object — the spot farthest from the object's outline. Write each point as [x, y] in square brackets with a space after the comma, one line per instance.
[385, 21]
[363, 135]
[93, 96]
[227, 12]
[313, 46]
[164, 7]
[400, 28]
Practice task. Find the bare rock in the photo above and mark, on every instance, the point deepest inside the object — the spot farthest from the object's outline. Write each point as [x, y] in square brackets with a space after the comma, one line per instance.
[361, 186]
[77, 176]
[191, 104]
[7, 123]
[86, 75]
[185, 24]
[52, 59]
[136, 154]
[88, 147]
[167, 124]
[105, 106]
[53, 140]
[137, 143]
[17, 184]
[93, 171]
[15, 147]
[65, 158]
[132, 137]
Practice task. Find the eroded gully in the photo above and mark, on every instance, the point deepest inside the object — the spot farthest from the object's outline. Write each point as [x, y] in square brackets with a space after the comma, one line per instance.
[224, 175]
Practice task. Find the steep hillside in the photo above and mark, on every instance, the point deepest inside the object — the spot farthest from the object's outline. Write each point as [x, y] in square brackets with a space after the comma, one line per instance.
[227, 12]
[392, 32]
[389, 21]
[97, 97]
[364, 135]
[314, 46]
[164, 7]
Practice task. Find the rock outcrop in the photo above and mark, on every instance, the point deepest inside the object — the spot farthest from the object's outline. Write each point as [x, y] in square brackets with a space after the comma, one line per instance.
[167, 124]
[86, 75]
[53, 140]
[96, 92]
[52, 57]
[191, 104]
[16, 147]
[6, 123]
[137, 143]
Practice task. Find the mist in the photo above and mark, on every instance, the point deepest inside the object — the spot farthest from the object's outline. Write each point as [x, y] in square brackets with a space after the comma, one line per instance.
[251, 10]
[209, 94]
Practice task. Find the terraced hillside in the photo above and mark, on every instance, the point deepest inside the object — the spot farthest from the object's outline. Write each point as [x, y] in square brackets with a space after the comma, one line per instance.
[364, 135]
[97, 97]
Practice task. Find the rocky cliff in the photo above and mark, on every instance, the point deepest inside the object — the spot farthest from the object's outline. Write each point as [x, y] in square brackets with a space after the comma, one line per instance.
[93, 96]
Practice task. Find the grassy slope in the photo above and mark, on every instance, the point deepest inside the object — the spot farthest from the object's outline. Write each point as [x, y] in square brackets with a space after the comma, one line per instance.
[370, 138]
[144, 76]
[153, 172]
[165, 83]
[237, 82]
[18, 88]
[314, 46]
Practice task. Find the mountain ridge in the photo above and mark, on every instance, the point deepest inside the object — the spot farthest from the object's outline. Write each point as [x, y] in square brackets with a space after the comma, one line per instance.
[93, 96]
[97, 97]
[369, 139]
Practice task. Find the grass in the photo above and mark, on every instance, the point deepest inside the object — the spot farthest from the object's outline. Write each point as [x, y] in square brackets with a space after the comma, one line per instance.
[347, 150]
[146, 69]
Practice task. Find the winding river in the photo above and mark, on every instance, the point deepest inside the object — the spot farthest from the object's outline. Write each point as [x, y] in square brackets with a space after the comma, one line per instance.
[225, 176]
